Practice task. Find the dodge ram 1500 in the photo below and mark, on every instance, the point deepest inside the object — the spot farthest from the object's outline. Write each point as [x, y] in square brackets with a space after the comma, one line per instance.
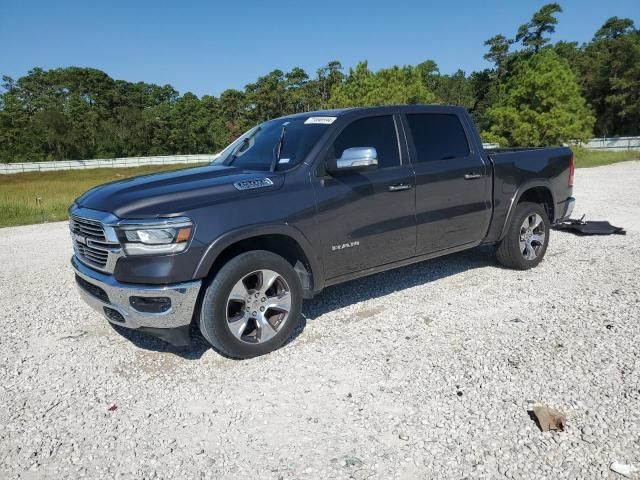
[300, 203]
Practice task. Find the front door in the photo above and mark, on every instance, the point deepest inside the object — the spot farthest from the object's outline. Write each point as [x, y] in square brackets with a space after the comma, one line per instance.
[367, 218]
[453, 183]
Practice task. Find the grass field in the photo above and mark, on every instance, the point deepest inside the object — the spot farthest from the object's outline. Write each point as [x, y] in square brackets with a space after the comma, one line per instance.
[595, 158]
[27, 198]
[36, 197]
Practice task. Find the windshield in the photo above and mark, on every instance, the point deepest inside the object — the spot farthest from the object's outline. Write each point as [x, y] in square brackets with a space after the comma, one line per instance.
[257, 148]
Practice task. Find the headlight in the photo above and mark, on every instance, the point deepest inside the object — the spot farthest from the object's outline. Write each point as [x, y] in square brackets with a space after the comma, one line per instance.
[155, 239]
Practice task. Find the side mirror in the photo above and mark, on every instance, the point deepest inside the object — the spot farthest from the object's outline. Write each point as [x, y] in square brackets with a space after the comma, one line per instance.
[355, 159]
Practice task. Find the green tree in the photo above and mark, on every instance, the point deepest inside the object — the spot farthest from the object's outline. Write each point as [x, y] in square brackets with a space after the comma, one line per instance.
[233, 109]
[498, 52]
[396, 85]
[74, 112]
[299, 96]
[484, 91]
[429, 74]
[532, 34]
[484, 85]
[455, 89]
[614, 28]
[570, 51]
[267, 97]
[17, 142]
[540, 104]
[624, 98]
[188, 125]
[328, 77]
[608, 71]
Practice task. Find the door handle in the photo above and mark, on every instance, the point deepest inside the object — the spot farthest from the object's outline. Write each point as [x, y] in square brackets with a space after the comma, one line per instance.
[472, 176]
[398, 187]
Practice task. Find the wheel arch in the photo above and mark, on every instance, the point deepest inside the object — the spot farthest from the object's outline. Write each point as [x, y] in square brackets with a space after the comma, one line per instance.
[283, 240]
[536, 191]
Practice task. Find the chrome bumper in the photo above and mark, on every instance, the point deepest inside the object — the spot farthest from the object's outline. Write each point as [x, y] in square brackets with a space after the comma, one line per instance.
[183, 298]
[570, 203]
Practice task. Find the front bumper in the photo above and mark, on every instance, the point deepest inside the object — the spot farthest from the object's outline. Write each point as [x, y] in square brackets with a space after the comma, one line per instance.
[112, 299]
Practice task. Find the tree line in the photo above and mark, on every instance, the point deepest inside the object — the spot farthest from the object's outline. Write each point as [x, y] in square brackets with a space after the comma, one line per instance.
[536, 93]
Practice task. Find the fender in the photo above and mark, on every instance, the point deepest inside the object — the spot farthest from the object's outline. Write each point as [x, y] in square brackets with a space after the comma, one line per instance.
[537, 182]
[229, 238]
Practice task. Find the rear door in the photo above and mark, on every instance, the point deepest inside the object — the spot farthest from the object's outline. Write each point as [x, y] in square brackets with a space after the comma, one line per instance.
[453, 182]
[367, 218]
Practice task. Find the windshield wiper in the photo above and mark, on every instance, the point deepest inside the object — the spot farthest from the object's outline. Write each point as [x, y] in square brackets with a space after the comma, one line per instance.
[241, 145]
[277, 150]
[233, 155]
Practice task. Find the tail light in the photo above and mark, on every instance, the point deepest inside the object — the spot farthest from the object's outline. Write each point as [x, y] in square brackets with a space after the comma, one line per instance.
[572, 169]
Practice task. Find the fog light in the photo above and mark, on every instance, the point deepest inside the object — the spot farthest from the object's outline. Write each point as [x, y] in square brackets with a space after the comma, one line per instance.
[150, 304]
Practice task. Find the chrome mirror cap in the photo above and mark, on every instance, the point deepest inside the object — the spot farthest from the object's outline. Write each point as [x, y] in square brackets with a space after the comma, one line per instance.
[358, 158]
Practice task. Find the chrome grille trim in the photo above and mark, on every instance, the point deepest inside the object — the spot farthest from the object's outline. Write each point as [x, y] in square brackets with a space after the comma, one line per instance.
[88, 228]
[94, 243]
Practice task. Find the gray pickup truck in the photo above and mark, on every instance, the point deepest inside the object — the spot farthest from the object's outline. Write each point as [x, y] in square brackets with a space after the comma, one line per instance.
[300, 203]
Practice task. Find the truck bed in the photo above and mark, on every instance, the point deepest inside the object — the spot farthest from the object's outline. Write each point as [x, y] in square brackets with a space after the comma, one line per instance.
[519, 169]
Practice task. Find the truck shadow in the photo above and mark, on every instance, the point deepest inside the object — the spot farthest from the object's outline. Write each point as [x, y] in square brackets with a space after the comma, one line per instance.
[193, 351]
[340, 296]
[381, 284]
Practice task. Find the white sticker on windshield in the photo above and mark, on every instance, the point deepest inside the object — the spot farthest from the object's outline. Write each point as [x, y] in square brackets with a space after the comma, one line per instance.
[283, 160]
[320, 120]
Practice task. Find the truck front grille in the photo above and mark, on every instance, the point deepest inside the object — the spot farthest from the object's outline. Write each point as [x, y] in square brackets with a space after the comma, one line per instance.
[90, 242]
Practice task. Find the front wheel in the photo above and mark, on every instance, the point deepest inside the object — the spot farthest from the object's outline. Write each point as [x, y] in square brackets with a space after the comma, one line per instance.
[527, 237]
[252, 305]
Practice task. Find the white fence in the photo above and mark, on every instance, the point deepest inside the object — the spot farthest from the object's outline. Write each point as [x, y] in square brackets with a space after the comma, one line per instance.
[6, 168]
[613, 144]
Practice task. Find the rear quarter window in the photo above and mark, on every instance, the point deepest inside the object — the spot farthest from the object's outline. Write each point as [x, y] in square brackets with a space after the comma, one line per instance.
[438, 136]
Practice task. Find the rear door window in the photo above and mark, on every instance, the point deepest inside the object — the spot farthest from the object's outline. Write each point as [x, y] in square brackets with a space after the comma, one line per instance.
[438, 136]
[377, 132]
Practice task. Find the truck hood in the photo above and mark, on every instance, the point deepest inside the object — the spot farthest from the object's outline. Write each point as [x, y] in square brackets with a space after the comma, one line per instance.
[174, 192]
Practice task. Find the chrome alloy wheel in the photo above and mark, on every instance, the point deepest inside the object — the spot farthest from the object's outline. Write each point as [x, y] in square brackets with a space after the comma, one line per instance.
[532, 234]
[258, 306]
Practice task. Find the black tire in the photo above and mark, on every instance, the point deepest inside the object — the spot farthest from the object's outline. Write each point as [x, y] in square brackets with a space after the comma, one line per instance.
[213, 321]
[509, 252]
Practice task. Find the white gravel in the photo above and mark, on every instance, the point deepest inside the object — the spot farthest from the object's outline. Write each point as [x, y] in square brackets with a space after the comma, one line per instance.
[423, 372]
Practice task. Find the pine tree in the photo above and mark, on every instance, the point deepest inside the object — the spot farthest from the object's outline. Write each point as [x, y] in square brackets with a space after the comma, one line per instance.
[540, 104]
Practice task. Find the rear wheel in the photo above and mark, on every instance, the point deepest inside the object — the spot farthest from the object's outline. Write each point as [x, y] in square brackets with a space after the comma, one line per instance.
[252, 305]
[527, 237]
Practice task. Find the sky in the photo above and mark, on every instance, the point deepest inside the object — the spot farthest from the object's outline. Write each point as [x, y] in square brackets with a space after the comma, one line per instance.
[206, 47]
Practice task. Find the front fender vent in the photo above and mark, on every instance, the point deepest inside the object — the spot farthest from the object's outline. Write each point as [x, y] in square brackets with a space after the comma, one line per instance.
[253, 183]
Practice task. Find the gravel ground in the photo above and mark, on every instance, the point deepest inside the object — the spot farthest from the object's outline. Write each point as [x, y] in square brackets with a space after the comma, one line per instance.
[423, 372]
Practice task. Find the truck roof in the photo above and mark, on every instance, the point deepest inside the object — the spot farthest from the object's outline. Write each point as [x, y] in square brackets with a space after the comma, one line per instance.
[384, 109]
